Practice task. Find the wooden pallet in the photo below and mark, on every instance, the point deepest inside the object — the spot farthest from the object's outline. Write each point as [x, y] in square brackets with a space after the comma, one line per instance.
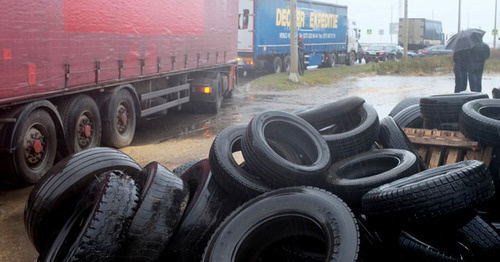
[439, 147]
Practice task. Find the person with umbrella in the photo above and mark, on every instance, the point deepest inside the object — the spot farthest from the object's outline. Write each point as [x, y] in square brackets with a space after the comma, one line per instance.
[479, 53]
[462, 44]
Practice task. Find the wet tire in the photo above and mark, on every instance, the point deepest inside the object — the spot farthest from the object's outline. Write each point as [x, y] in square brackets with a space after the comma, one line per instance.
[410, 117]
[300, 214]
[231, 176]
[276, 65]
[480, 120]
[287, 64]
[495, 93]
[50, 203]
[430, 195]
[82, 123]
[352, 177]
[446, 108]
[303, 140]
[357, 139]
[208, 205]
[35, 150]
[481, 239]
[411, 248]
[119, 119]
[329, 114]
[392, 136]
[100, 236]
[161, 206]
[414, 100]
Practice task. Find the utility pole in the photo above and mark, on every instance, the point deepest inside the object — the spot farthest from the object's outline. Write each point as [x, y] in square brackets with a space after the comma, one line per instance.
[294, 56]
[405, 31]
[495, 28]
[459, 14]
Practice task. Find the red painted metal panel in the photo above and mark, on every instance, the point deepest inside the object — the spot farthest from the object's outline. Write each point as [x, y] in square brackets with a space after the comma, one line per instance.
[42, 36]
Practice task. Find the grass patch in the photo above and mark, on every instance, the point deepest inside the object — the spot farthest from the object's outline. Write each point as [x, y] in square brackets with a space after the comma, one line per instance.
[417, 66]
[319, 77]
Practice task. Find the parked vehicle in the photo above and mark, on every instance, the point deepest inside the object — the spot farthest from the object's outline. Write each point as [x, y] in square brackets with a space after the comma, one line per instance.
[397, 50]
[97, 68]
[264, 34]
[379, 53]
[411, 54]
[421, 33]
[434, 50]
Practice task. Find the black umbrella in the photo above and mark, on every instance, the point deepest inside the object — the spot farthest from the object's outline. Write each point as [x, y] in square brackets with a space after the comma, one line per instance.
[465, 39]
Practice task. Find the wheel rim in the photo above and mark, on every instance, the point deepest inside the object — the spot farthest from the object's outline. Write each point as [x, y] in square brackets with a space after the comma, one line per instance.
[85, 130]
[122, 118]
[34, 145]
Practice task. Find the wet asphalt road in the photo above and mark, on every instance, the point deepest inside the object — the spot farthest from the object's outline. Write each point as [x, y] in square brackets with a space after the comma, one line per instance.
[179, 137]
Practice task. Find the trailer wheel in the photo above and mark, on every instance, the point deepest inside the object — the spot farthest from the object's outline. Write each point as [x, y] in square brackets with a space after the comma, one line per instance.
[119, 120]
[276, 65]
[82, 123]
[351, 58]
[35, 149]
[287, 64]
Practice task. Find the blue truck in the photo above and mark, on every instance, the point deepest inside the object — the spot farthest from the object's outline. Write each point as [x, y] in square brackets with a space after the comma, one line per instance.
[264, 34]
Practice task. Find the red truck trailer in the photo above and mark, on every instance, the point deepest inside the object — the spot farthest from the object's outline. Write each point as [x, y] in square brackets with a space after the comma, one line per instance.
[77, 74]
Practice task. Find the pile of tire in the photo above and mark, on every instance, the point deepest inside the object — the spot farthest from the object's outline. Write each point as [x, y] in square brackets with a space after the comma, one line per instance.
[331, 183]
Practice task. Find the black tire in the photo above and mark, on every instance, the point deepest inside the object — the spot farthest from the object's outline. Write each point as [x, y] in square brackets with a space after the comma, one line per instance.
[480, 120]
[328, 114]
[411, 248]
[446, 108]
[208, 205]
[495, 93]
[276, 65]
[231, 176]
[287, 64]
[103, 231]
[352, 177]
[119, 119]
[51, 201]
[82, 123]
[360, 138]
[161, 206]
[180, 170]
[410, 117]
[277, 170]
[481, 239]
[217, 85]
[298, 213]
[35, 150]
[404, 104]
[392, 136]
[431, 194]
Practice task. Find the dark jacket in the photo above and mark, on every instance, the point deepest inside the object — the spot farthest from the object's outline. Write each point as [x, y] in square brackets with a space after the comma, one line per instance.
[301, 49]
[461, 58]
[478, 55]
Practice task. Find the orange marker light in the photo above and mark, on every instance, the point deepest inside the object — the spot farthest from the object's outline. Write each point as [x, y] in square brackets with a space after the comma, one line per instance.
[207, 90]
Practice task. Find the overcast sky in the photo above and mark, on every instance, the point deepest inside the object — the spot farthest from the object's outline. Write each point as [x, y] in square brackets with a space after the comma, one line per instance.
[376, 15]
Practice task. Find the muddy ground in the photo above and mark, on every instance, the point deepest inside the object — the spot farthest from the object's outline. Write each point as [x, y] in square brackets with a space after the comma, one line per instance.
[179, 137]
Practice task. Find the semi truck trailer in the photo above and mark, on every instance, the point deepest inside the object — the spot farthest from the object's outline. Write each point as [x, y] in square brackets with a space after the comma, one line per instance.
[421, 33]
[264, 34]
[78, 74]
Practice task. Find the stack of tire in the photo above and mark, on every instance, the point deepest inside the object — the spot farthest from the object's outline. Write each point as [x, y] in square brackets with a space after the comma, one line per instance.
[332, 183]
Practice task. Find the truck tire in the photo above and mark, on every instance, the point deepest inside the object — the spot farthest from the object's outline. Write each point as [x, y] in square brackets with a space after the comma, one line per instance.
[481, 238]
[429, 195]
[238, 182]
[352, 177]
[35, 150]
[410, 117]
[446, 108]
[119, 120]
[208, 205]
[279, 170]
[287, 64]
[82, 123]
[276, 65]
[103, 232]
[405, 103]
[54, 195]
[411, 248]
[152, 227]
[480, 120]
[351, 58]
[299, 214]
